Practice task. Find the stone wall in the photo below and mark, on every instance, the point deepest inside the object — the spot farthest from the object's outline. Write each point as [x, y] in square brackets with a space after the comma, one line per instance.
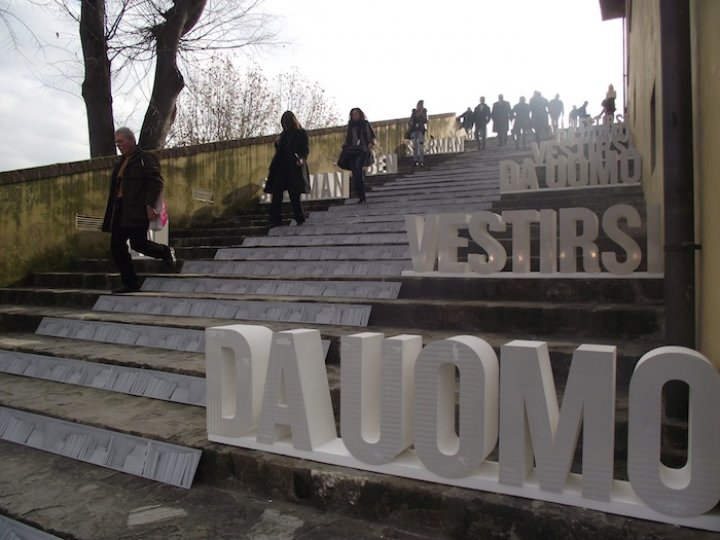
[38, 207]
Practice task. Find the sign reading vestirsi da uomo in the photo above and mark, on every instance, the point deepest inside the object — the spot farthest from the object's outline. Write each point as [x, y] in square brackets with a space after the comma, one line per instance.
[268, 391]
[591, 156]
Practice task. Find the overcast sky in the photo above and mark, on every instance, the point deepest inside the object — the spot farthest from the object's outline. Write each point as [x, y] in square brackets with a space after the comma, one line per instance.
[380, 55]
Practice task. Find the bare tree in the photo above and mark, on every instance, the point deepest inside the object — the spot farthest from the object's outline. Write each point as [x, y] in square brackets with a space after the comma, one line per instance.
[224, 104]
[122, 39]
[97, 86]
[306, 99]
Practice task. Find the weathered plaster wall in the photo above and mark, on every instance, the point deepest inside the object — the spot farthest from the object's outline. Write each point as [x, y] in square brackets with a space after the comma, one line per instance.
[38, 206]
[704, 16]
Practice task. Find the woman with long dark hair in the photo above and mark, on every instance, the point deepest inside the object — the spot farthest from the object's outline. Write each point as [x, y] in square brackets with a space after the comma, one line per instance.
[289, 170]
[359, 143]
[418, 126]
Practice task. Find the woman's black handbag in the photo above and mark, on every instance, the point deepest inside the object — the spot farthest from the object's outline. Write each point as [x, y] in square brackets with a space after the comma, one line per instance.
[370, 159]
[272, 173]
[269, 183]
[347, 158]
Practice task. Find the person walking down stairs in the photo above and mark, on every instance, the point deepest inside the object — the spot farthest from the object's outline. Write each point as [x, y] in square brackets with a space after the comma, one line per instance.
[135, 186]
[357, 150]
[418, 126]
[289, 169]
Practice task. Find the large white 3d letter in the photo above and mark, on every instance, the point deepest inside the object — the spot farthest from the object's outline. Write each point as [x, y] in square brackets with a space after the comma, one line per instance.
[494, 261]
[236, 358]
[531, 423]
[422, 232]
[695, 488]
[509, 176]
[610, 225]
[449, 240]
[439, 448]
[297, 396]
[571, 240]
[377, 394]
[520, 221]
[548, 241]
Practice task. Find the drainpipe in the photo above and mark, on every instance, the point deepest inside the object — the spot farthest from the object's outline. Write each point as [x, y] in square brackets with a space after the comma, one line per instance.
[678, 190]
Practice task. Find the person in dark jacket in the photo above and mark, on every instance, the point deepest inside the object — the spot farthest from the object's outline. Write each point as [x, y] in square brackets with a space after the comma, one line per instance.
[521, 122]
[481, 116]
[467, 120]
[417, 126]
[501, 113]
[289, 170]
[359, 142]
[135, 186]
[556, 108]
[539, 115]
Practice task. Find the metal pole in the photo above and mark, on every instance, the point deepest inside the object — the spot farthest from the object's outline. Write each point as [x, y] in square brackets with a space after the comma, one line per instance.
[676, 99]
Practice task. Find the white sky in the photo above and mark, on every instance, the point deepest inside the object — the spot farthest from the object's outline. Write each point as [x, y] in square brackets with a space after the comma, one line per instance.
[379, 55]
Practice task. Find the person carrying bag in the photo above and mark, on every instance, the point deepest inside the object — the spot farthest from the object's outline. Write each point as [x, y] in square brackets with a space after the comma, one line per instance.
[357, 152]
[289, 170]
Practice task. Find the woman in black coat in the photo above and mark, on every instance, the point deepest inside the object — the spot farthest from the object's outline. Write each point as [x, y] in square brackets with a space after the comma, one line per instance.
[359, 142]
[289, 170]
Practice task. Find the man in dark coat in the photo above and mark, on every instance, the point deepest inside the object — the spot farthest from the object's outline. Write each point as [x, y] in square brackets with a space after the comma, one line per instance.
[481, 117]
[467, 120]
[521, 122]
[539, 114]
[501, 113]
[135, 186]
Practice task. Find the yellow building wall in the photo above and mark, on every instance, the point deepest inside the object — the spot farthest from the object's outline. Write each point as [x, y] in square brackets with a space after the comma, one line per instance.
[38, 206]
[705, 20]
[644, 74]
[644, 77]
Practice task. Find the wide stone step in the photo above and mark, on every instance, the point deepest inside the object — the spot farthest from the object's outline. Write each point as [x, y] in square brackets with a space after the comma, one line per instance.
[197, 252]
[149, 355]
[598, 288]
[113, 505]
[568, 198]
[120, 333]
[154, 419]
[326, 240]
[143, 265]
[527, 318]
[202, 241]
[421, 203]
[176, 234]
[349, 227]
[318, 288]
[321, 253]
[149, 383]
[303, 269]
[439, 187]
[76, 298]
[244, 310]
[159, 461]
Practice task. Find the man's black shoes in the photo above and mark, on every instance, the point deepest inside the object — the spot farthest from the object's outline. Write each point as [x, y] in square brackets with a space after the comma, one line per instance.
[170, 260]
[126, 289]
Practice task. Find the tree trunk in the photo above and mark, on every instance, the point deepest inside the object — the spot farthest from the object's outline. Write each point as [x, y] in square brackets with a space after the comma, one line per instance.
[168, 83]
[96, 88]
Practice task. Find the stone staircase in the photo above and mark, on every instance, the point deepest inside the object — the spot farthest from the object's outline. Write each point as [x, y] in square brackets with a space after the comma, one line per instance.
[339, 273]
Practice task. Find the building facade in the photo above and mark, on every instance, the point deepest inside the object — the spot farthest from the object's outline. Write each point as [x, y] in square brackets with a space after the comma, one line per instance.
[672, 79]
